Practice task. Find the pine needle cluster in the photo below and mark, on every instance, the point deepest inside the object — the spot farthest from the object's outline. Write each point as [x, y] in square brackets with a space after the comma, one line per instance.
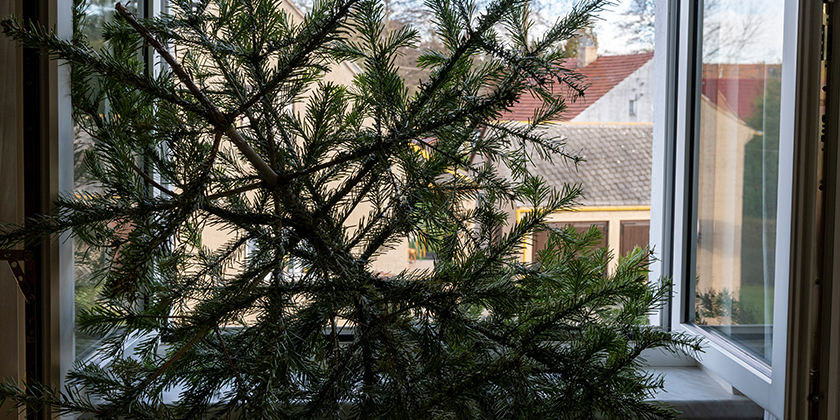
[238, 130]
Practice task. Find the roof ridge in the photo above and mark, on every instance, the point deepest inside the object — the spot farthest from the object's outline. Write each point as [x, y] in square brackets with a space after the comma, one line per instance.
[629, 54]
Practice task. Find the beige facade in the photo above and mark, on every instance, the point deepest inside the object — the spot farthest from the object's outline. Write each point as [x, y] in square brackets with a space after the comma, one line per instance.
[721, 188]
[395, 259]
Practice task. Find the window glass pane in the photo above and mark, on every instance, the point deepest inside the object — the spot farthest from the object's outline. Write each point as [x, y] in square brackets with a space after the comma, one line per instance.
[89, 259]
[738, 171]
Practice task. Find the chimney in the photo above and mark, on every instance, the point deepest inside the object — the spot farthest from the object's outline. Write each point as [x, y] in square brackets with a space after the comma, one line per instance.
[587, 51]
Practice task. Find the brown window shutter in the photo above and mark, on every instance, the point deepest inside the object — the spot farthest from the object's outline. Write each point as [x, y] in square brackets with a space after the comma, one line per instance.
[634, 233]
[540, 238]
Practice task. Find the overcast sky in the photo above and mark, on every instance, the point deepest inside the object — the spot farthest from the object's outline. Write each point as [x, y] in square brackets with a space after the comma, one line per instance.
[758, 24]
[610, 41]
[755, 26]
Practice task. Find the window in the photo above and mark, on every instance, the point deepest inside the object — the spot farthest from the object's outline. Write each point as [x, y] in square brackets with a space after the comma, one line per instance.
[633, 233]
[43, 119]
[88, 260]
[540, 238]
[737, 176]
[36, 162]
[753, 361]
[723, 164]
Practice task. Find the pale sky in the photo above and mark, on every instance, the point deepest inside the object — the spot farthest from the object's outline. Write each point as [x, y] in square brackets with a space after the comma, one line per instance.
[763, 16]
[609, 40]
[758, 24]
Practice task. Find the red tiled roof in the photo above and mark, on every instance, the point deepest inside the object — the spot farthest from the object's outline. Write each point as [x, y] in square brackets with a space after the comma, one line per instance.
[737, 71]
[602, 75]
[739, 85]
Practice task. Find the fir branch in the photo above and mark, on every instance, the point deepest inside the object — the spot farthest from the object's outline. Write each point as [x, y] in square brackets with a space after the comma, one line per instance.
[237, 190]
[151, 181]
[480, 335]
[216, 117]
[172, 360]
[230, 361]
[315, 34]
[342, 158]
[174, 65]
[36, 36]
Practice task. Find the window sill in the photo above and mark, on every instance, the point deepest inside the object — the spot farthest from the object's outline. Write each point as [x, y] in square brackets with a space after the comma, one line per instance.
[699, 397]
[688, 388]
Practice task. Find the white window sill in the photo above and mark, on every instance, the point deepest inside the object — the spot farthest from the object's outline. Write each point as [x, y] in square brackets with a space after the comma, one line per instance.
[699, 397]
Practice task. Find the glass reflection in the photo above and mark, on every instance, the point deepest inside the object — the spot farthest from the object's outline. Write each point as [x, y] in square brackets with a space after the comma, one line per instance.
[89, 260]
[738, 171]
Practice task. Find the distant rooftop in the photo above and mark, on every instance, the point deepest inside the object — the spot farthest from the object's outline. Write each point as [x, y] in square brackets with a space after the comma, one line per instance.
[738, 88]
[602, 75]
[617, 167]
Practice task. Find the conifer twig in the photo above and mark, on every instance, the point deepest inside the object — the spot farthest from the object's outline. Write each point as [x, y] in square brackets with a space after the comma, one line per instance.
[237, 190]
[213, 113]
[341, 158]
[173, 63]
[311, 202]
[150, 180]
[174, 358]
[230, 361]
[313, 43]
[217, 141]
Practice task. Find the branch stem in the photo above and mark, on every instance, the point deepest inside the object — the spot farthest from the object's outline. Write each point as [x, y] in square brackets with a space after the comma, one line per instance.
[150, 180]
[174, 358]
[230, 361]
[235, 191]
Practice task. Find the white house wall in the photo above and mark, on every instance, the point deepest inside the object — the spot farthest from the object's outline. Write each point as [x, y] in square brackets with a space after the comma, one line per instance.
[614, 106]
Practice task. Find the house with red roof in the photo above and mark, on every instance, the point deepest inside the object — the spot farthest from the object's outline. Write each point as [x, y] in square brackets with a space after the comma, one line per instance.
[738, 88]
[616, 181]
[620, 90]
[611, 126]
[615, 175]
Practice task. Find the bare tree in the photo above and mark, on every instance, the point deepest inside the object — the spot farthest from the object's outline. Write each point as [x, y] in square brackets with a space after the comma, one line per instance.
[638, 23]
[729, 34]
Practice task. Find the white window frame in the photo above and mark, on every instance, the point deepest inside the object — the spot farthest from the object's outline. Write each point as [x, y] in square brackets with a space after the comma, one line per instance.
[673, 230]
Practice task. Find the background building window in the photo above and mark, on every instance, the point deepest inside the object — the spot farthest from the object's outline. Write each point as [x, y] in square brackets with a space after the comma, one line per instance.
[541, 238]
[633, 233]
